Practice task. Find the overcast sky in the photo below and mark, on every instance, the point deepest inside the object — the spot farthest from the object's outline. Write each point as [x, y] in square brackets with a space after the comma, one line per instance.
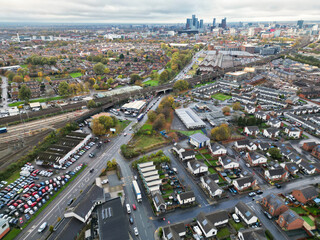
[156, 11]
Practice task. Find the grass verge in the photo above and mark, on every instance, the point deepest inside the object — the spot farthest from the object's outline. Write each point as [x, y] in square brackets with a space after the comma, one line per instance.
[15, 231]
[308, 220]
[35, 100]
[189, 133]
[76, 74]
[151, 83]
[220, 96]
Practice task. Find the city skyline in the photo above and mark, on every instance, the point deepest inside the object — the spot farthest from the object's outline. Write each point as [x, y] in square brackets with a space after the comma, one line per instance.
[123, 11]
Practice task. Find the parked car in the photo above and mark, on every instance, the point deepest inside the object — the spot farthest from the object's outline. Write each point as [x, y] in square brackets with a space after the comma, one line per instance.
[235, 218]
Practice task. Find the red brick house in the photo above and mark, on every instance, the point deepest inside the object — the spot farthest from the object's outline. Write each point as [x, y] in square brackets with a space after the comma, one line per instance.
[276, 174]
[305, 194]
[309, 146]
[274, 205]
[289, 220]
[316, 151]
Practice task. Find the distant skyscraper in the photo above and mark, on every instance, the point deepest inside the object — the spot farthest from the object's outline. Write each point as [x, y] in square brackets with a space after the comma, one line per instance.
[300, 24]
[201, 23]
[214, 23]
[224, 23]
[189, 23]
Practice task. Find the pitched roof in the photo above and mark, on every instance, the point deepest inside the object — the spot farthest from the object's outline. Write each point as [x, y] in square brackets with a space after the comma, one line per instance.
[172, 231]
[195, 164]
[245, 210]
[274, 201]
[290, 216]
[307, 165]
[252, 128]
[255, 155]
[211, 183]
[292, 167]
[199, 137]
[227, 160]
[242, 181]
[309, 192]
[276, 171]
[216, 146]
[187, 153]
[186, 195]
[253, 234]
[158, 199]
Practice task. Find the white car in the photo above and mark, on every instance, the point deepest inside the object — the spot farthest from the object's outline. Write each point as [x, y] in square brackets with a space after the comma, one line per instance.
[235, 218]
[31, 212]
[135, 229]
[27, 210]
[104, 181]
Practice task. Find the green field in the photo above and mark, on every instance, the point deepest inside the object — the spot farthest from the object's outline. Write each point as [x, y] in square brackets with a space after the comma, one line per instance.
[223, 233]
[220, 96]
[299, 210]
[76, 74]
[143, 142]
[24, 66]
[146, 127]
[35, 100]
[202, 84]
[151, 83]
[308, 220]
[189, 133]
[235, 225]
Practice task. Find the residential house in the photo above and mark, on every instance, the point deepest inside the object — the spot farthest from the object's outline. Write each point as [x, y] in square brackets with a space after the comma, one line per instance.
[245, 213]
[309, 146]
[250, 109]
[199, 140]
[244, 183]
[208, 223]
[210, 183]
[251, 130]
[186, 197]
[309, 168]
[245, 144]
[252, 234]
[271, 132]
[255, 158]
[187, 155]
[276, 174]
[316, 151]
[264, 146]
[274, 205]
[291, 167]
[174, 231]
[261, 115]
[305, 194]
[274, 122]
[228, 162]
[197, 167]
[178, 149]
[290, 220]
[217, 149]
[293, 132]
[293, 157]
[159, 202]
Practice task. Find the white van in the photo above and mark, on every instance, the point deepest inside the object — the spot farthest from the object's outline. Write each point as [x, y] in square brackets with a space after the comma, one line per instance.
[128, 208]
[42, 227]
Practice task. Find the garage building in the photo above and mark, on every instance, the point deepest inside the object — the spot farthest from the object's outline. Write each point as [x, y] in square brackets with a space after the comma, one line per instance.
[189, 118]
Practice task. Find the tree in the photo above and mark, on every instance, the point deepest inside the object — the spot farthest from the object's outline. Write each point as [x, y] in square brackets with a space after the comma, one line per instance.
[106, 70]
[106, 121]
[221, 132]
[275, 153]
[98, 128]
[99, 68]
[164, 76]
[51, 228]
[24, 93]
[121, 56]
[17, 78]
[63, 89]
[91, 104]
[236, 106]
[226, 110]
[134, 78]
[159, 122]
[181, 85]
[152, 115]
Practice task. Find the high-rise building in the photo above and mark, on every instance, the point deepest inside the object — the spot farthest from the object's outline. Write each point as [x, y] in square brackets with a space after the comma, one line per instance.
[224, 23]
[214, 23]
[189, 23]
[201, 23]
[300, 24]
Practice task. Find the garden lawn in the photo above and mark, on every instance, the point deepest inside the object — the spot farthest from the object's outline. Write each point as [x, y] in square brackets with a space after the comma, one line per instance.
[223, 233]
[214, 162]
[151, 83]
[76, 74]
[211, 170]
[199, 156]
[202, 84]
[220, 96]
[314, 210]
[299, 210]
[207, 156]
[308, 220]
[35, 100]
[24, 66]
[235, 225]
[189, 133]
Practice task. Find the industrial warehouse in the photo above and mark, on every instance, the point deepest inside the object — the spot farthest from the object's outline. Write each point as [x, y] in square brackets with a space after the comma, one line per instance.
[134, 107]
[189, 118]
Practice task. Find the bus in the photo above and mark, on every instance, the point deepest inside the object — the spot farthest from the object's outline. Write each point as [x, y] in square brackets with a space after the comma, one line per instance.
[139, 118]
[136, 190]
[3, 130]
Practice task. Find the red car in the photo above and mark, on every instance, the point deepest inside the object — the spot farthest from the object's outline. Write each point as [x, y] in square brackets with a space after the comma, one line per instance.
[43, 190]
[134, 207]
[33, 204]
[34, 193]
[39, 199]
[38, 185]
[19, 201]
[26, 206]
[9, 203]
[26, 195]
[21, 220]
[25, 186]
[15, 204]
[32, 185]
[47, 188]
[50, 181]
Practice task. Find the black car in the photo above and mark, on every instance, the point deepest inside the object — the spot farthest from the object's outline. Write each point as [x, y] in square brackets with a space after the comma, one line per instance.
[91, 170]
[131, 220]
[70, 202]
[259, 192]
[277, 185]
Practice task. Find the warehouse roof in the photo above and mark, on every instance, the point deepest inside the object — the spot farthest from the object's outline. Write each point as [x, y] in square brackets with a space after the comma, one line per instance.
[190, 119]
